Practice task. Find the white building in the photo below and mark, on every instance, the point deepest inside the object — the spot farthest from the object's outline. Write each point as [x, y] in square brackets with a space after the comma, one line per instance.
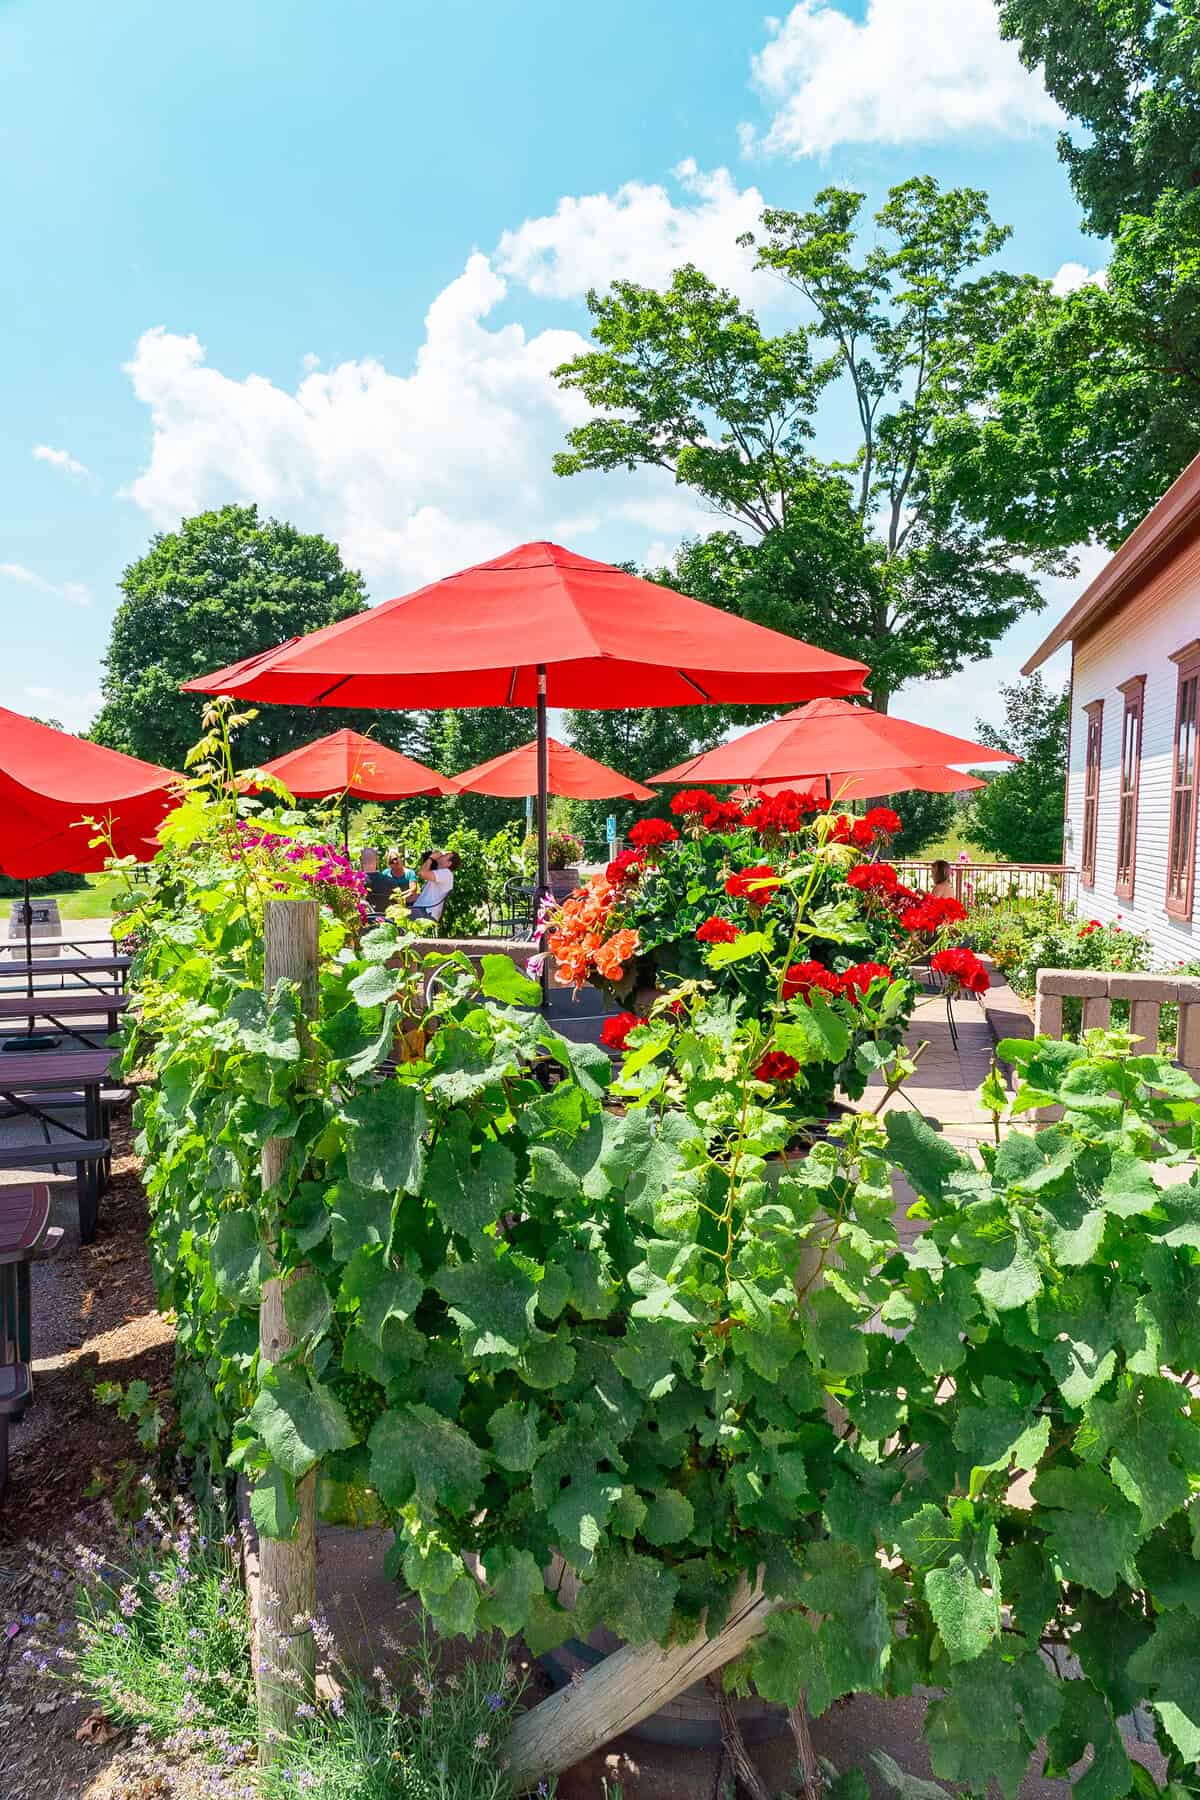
[1135, 709]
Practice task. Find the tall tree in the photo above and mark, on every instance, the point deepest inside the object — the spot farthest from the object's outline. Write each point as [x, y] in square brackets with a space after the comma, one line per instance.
[640, 742]
[225, 585]
[870, 553]
[1019, 815]
[1128, 72]
[1090, 403]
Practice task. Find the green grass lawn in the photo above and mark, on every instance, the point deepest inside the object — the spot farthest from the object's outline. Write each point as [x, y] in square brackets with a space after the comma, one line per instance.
[95, 901]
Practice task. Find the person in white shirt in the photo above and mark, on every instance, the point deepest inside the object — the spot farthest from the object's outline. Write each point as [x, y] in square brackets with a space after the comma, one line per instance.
[436, 875]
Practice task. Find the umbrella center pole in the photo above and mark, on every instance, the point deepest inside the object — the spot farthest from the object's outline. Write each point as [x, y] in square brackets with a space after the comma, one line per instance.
[543, 823]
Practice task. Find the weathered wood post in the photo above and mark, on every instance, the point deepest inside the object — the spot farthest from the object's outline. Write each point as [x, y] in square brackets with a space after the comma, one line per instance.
[285, 1670]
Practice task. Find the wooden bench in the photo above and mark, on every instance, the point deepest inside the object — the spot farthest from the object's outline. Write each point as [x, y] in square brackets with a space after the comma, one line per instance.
[25, 1233]
[90, 1156]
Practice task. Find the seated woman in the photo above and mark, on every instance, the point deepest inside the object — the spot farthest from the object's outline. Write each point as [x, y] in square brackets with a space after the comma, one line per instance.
[941, 886]
[381, 888]
[436, 875]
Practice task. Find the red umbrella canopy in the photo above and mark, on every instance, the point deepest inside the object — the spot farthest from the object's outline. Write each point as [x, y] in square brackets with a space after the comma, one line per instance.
[579, 777]
[831, 740]
[869, 784]
[50, 782]
[481, 637]
[347, 762]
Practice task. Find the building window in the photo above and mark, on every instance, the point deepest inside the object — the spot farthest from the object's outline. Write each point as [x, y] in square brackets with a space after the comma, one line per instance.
[1181, 855]
[1091, 791]
[1131, 763]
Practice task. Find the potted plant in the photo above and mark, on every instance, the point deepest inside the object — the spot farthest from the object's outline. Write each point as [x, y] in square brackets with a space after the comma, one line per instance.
[564, 851]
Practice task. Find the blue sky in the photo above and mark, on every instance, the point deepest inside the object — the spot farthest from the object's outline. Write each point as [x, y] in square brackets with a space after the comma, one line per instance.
[324, 254]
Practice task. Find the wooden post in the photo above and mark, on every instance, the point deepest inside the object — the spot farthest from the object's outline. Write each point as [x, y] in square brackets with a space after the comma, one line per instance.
[285, 1672]
[621, 1691]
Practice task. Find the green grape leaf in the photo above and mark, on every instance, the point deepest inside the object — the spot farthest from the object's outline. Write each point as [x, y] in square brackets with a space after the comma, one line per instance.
[375, 986]
[471, 1189]
[515, 1583]
[669, 1517]
[632, 1594]
[240, 1260]
[965, 1613]
[416, 1451]
[1092, 1531]
[514, 1434]
[923, 1154]
[299, 1421]
[384, 1148]
[500, 979]
[273, 1503]
[306, 1305]
[492, 1303]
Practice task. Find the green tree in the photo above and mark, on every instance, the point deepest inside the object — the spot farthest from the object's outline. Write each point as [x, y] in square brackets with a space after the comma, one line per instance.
[225, 585]
[639, 742]
[869, 554]
[924, 819]
[1128, 72]
[1092, 401]
[1019, 815]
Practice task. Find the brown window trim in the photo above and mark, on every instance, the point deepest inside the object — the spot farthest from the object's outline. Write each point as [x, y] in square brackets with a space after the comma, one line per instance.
[1134, 691]
[1093, 754]
[1179, 906]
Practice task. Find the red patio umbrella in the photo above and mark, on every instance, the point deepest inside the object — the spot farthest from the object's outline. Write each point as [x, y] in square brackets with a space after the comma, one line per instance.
[348, 763]
[862, 784]
[829, 742]
[540, 626]
[514, 774]
[50, 782]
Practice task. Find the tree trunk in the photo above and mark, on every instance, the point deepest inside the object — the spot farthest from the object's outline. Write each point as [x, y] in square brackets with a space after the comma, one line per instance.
[286, 1668]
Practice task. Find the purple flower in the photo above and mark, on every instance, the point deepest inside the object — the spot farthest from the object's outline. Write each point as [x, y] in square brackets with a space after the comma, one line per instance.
[12, 1630]
[495, 1702]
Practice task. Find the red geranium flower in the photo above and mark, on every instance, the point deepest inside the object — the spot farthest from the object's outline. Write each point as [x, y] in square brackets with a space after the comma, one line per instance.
[648, 834]
[716, 931]
[866, 876]
[802, 977]
[857, 980]
[779, 815]
[932, 913]
[693, 800]
[614, 1031]
[776, 1065]
[723, 815]
[963, 967]
[882, 820]
[1092, 925]
[626, 865]
[740, 887]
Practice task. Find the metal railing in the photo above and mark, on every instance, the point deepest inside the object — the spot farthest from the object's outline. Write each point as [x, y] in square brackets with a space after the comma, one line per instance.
[999, 881]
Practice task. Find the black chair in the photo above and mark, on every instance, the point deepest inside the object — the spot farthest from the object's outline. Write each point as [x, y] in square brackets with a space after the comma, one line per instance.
[512, 913]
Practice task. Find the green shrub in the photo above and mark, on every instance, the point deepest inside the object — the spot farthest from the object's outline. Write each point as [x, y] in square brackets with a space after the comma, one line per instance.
[1025, 935]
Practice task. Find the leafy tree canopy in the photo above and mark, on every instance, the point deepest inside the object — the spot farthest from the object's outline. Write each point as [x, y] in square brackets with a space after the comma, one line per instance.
[225, 585]
[1128, 72]
[1091, 401]
[1019, 815]
[869, 554]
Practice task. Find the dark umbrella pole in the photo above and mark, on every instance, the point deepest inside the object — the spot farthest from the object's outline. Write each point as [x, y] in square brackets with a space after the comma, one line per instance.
[29, 949]
[543, 828]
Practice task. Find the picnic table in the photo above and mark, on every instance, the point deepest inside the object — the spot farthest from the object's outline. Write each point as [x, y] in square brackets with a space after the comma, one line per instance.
[27, 1083]
[24, 1234]
[90, 971]
[57, 1007]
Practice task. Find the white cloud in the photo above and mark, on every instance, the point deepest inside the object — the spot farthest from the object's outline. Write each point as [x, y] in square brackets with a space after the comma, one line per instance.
[413, 474]
[912, 71]
[75, 710]
[640, 234]
[76, 592]
[59, 459]
[1074, 275]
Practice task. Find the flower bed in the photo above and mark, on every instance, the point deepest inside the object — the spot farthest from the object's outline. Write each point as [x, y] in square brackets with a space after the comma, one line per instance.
[775, 906]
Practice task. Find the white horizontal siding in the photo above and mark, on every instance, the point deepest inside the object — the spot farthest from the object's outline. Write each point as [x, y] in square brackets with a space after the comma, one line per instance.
[1137, 640]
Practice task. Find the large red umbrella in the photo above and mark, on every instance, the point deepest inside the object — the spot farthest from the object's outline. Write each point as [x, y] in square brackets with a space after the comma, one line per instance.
[540, 626]
[578, 777]
[50, 783]
[830, 742]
